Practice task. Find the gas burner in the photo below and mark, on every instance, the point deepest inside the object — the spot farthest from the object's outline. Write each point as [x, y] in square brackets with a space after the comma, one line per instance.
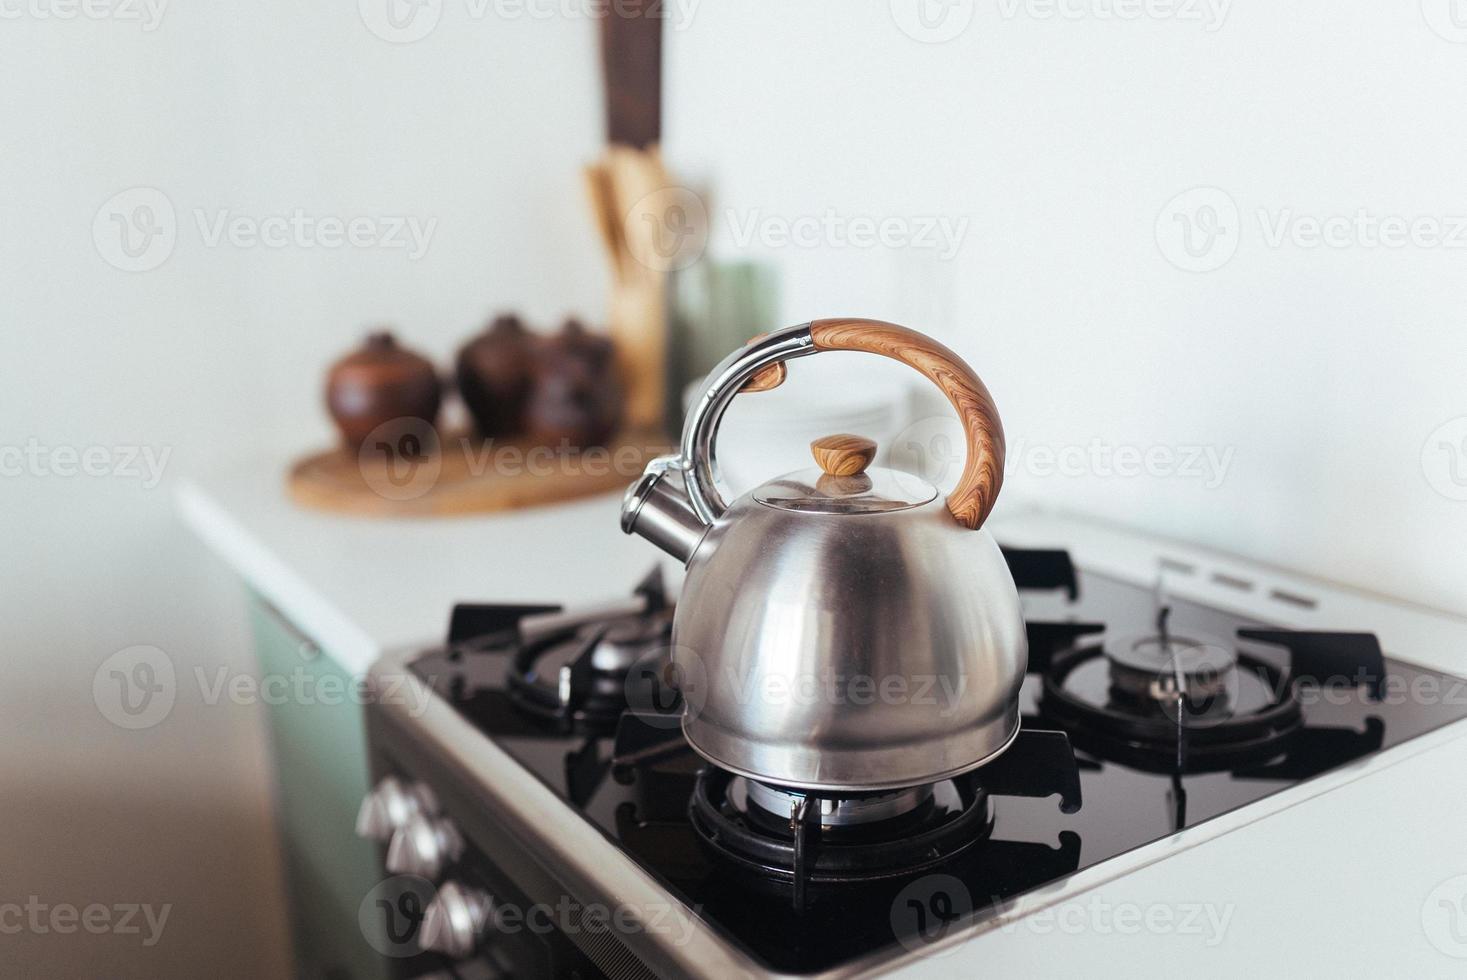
[888, 834]
[629, 641]
[1169, 703]
[577, 680]
[835, 811]
[792, 839]
[1163, 668]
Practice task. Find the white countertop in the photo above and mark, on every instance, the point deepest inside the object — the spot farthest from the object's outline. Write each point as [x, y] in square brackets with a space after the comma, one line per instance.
[359, 586]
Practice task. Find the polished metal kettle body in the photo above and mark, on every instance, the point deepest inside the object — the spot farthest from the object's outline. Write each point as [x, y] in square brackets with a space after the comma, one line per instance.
[842, 629]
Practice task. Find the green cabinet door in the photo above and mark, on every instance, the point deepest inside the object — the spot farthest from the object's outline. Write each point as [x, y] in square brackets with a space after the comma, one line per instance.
[319, 748]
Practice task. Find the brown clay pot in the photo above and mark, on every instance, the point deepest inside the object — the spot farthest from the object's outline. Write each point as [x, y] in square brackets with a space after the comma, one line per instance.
[578, 398]
[377, 383]
[495, 376]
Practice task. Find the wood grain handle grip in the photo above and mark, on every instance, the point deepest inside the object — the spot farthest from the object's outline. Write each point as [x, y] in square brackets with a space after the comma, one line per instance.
[767, 378]
[973, 498]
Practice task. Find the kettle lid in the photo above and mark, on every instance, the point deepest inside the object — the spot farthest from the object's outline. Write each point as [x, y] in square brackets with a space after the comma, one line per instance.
[842, 485]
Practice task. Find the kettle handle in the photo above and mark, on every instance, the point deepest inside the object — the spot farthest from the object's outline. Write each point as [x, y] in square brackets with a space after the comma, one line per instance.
[759, 367]
[977, 489]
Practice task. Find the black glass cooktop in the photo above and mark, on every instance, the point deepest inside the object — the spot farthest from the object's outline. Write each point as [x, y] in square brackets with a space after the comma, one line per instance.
[1176, 714]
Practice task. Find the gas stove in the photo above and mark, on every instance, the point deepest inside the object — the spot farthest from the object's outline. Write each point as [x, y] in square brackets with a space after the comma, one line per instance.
[547, 780]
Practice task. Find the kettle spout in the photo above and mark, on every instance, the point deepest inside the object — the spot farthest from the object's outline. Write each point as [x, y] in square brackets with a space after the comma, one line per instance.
[657, 508]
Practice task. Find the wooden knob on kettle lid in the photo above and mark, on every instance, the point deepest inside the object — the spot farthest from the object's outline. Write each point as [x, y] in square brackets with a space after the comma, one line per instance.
[843, 454]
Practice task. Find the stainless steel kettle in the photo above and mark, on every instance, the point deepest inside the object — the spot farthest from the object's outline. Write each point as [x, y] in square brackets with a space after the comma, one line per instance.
[844, 628]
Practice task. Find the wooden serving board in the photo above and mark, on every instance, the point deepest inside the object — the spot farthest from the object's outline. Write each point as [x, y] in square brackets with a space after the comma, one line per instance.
[420, 473]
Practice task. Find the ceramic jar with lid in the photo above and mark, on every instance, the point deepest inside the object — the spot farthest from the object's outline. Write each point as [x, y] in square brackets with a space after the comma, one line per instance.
[578, 399]
[496, 374]
[380, 382]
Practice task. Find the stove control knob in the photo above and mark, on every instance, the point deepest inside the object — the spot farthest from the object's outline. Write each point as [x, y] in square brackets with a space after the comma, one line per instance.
[391, 805]
[456, 920]
[424, 846]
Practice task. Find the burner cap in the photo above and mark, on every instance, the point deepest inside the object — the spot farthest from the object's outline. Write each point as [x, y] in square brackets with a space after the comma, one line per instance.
[627, 641]
[845, 811]
[578, 679]
[1163, 667]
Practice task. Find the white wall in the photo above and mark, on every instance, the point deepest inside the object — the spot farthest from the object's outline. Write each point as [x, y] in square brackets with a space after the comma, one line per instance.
[217, 355]
[1061, 141]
